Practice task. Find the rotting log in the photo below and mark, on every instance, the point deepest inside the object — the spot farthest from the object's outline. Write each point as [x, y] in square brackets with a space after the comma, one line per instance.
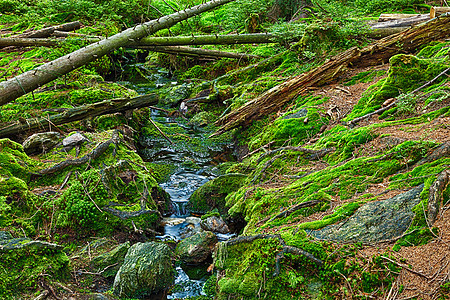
[79, 113]
[436, 195]
[437, 11]
[403, 22]
[46, 32]
[196, 52]
[30, 80]
[379, 33]
[377, 53]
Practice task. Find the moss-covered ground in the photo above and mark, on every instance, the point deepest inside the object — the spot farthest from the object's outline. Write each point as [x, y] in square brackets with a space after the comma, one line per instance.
[86, 207]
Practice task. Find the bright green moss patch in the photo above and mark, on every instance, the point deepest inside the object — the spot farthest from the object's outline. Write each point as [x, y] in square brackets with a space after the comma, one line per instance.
[364, 77]
[406, 73]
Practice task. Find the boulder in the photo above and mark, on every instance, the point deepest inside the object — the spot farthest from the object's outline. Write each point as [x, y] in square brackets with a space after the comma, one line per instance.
[113, 258]
[147, 269]
[197, 248]
[375, 221]
[41, 142]
[74, 140]
[214, 224]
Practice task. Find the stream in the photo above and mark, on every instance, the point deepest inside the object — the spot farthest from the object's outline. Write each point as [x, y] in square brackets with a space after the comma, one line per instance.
[191, 169]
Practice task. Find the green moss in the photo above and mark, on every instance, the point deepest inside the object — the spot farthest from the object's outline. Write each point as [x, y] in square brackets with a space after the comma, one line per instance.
[406, 73]
[364, 77]
[212, 194]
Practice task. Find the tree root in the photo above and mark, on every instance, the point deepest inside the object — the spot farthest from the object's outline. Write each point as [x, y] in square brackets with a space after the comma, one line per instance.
[436, 195]
[440, 151]
[132, 214]
[99, 150]
[280, 255]
[294, 208]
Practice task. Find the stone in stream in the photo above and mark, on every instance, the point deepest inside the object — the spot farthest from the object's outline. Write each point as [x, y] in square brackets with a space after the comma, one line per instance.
[147, 269]
[197, 248]
[111, 261]
[375, 221]
[214, 224]
[41, 142]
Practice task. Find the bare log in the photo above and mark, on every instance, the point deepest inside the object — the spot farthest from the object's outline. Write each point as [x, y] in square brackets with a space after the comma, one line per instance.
[374, 54]
[230, 39]
[403, 22]
[29, 81]
[379, 33]
[79, 113]
[437, 11]
[196, 52]
[436, 195]
[26, 42]
[46, 32]
[390, 17]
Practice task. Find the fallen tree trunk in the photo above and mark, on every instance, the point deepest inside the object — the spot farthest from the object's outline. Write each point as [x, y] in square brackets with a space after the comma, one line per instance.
[46, 32]
[79, 113]
[437, 11]
[25, 42]
[436, 196]
[30, 80]
[196, 52]
[379, 33]
[390, 17]
[403, 22]
[374, 54]
[230, 39]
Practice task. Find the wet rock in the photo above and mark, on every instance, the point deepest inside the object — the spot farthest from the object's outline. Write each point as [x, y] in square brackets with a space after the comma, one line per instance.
[197, 248]
[214, 224]
[147, 269]
[41, 142]
[375, 221]
[300, 114]
[112, 259]
[193, 220]
[74, 140]
[212, 194]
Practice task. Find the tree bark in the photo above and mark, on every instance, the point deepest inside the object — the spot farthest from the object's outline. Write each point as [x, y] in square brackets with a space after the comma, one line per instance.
[197, 52]
[26, 42]
[437, 11]
[374, 54]
[255, 38]
[79, 113]
[29, 81]
[402, 22]
[379, 33]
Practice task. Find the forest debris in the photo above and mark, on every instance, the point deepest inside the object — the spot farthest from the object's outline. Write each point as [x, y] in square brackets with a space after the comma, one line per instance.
[46, 32]
[79, 113]
[374, 54]
[294, 208]
[438, 11]
[390, 17]
[403, 22]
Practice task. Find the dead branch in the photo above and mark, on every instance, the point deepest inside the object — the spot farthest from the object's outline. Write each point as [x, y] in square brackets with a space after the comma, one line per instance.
[314, 154]
[160, 131]
[46, 32]
[378, 111]
[99, 150]
[405, 267]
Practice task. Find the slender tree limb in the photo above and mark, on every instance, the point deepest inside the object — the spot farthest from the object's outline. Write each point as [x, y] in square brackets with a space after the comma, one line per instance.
[46, 32]
[294, 208]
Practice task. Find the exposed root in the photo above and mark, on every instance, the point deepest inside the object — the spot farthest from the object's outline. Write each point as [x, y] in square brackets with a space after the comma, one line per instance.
[294, 208]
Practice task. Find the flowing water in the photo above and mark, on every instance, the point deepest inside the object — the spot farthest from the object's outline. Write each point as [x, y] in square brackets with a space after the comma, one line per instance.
[192, 167]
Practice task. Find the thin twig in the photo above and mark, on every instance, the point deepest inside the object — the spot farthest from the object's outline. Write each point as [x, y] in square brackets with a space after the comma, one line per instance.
[160, 131]
[405, 267]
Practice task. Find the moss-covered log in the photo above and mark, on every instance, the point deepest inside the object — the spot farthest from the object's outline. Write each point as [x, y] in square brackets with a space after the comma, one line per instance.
[374, 54]
[79, 113]
[29, 81]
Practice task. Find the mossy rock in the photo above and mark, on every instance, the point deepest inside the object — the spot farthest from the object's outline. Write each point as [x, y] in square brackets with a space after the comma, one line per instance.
[23, 261]
[147, 269]
[114, 257]
[197, 248]
[213, 193]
